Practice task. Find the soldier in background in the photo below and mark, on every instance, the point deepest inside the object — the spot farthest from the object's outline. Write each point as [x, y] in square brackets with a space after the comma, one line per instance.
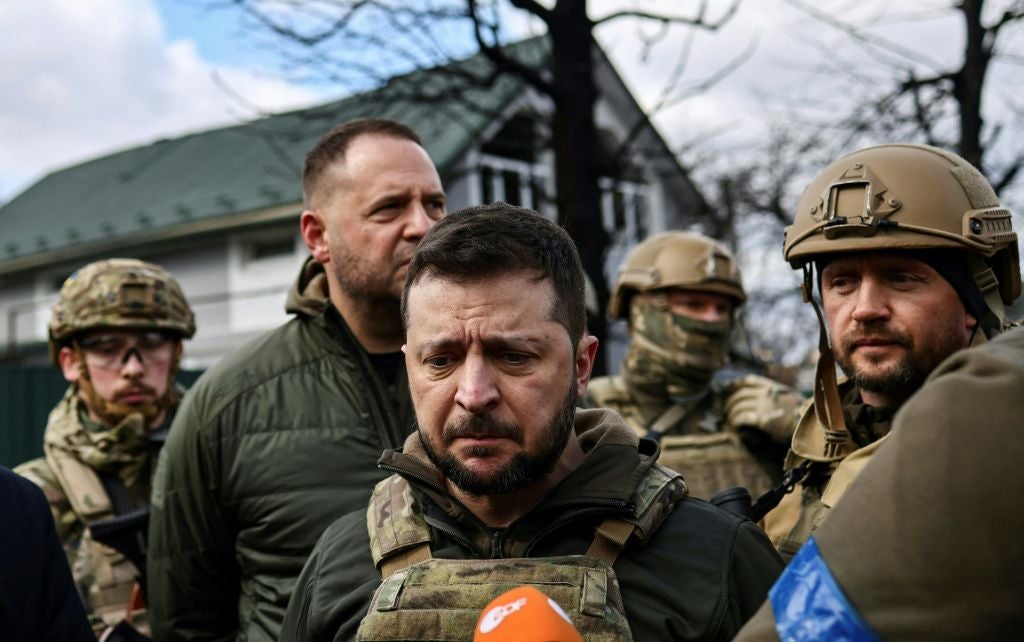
[116, 333]
[679, 291]
[915, 259]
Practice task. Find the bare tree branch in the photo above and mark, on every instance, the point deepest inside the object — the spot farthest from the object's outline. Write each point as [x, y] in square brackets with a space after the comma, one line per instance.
[884, 45]
[503, 62]
[692, 21]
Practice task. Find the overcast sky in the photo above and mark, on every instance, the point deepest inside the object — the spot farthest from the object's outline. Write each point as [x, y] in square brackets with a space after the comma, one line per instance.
[84, 78]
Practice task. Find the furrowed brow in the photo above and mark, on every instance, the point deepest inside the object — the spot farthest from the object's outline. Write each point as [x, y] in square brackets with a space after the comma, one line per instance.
[512, 342]
[442, 344]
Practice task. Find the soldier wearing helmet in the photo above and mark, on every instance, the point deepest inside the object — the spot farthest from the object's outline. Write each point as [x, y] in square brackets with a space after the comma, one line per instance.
[915, 260]
[679, 292]
[115, 333]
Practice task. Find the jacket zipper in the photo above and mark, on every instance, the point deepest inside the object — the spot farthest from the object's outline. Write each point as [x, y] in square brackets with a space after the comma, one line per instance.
[593, 506]
[610, 507]
[383, 410]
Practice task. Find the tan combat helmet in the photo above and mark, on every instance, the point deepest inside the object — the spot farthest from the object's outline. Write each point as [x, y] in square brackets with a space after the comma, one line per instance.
[909, 197]
[119, 293]
[893, 198]
[676, 260]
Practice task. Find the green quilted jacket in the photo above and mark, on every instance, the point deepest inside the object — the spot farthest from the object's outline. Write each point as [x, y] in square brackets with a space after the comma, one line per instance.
[270, 446]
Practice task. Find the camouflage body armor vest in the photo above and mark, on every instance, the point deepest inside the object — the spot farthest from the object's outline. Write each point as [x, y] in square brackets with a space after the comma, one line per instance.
[424, 598]
[79, 499]
[801, 512]
[694, 438]
[111, 577]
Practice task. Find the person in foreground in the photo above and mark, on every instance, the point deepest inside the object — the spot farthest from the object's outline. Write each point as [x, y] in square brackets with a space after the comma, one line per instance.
[915, 259]
[505, 483]
[38, 600]
[279, 438]
[923, 548]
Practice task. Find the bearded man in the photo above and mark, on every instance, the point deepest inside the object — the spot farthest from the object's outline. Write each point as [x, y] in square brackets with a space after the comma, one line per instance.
[506, 483]
[116, 332]
[915, 260]
[280, 437]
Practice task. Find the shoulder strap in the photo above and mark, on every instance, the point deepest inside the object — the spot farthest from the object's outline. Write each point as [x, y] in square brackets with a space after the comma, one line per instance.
[120, 498]
[676, 414]
[399, 536]
[610, 539]
[765, 503]
[84, 490]
[656, 496]
[404, 559]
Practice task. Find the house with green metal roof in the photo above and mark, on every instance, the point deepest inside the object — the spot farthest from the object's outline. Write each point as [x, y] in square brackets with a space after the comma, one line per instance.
[220, 208]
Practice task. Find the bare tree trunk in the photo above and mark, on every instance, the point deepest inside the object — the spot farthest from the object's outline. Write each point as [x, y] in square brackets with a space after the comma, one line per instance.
[970, 81]
[576, 147]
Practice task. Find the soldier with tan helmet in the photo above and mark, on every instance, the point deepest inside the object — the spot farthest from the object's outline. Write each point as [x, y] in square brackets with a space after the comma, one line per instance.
[116, 333]
[915, 259]
[679, 292]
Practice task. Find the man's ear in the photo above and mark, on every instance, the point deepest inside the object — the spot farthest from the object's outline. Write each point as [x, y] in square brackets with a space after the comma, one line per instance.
[586, 351]
[314, 233]
[70, 365]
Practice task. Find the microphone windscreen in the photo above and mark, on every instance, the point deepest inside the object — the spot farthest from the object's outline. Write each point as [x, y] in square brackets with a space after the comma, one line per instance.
[524, 614]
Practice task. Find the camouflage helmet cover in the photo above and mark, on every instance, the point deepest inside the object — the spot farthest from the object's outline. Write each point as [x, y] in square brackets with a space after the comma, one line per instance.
[904, 197]
[676, 260]
[119, 293]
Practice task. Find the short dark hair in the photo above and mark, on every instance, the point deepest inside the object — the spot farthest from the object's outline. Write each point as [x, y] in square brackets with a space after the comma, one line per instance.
[483, 241]
[334, 144]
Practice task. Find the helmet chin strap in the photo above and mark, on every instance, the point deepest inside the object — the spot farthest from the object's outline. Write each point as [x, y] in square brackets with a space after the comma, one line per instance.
[112, 413]
[994, 318]
[828, 407]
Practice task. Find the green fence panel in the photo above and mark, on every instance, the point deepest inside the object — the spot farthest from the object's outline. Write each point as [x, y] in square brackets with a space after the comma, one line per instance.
[27, 394]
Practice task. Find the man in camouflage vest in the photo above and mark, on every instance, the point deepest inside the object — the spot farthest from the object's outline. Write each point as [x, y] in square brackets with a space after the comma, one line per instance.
[915, 259]
[116, 333]
[925, 546]
[679, 291]
[505, 483]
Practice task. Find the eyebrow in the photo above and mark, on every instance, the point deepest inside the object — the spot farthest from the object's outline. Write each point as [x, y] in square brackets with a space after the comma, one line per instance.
[402, 195]
[503, 342]
[388, 197]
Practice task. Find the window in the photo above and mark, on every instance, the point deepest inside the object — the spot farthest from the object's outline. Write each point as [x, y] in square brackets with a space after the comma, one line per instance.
[512, 181]
[271, 248]
[624, 210]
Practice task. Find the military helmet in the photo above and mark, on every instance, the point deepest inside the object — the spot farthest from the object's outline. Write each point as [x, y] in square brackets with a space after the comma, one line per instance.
[119, 293]
[676, 260]
[905, 197]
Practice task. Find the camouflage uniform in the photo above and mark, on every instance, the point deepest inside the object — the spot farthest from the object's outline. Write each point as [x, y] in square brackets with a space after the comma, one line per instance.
[77, 447]
[86, 463]
[718, 432]
[617, 543]
[893, 198]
